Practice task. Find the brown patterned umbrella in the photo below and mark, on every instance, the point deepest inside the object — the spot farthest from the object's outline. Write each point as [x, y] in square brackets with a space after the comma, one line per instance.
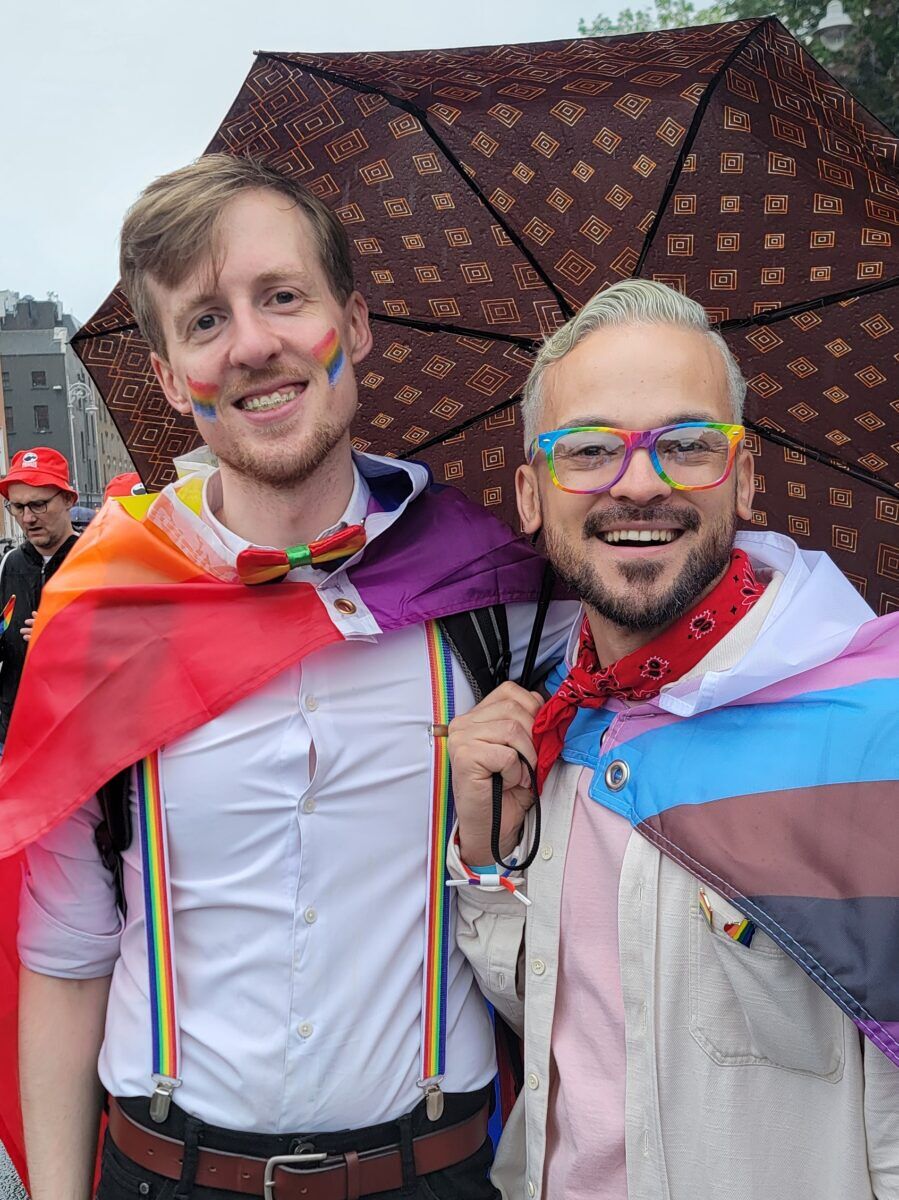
[487, 193]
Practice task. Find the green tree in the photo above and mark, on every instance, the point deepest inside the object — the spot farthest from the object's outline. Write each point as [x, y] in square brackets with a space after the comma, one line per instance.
[868, 65]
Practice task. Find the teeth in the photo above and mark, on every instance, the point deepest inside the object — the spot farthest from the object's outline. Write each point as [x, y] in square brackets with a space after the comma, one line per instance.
[272, 400]
[614, 536]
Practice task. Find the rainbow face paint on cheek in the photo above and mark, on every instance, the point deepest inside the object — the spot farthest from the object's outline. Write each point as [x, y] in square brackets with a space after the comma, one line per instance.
[203, 397]
[329, 353]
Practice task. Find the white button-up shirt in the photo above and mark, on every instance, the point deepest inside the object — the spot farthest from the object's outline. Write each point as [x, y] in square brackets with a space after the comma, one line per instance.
[297, 825]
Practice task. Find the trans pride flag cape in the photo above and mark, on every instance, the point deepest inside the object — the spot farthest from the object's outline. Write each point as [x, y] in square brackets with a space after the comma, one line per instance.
[777, 782]
[144, 634]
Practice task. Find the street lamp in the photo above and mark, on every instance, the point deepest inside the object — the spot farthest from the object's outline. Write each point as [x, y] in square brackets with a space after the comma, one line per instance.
[834, 25]
[78, 394]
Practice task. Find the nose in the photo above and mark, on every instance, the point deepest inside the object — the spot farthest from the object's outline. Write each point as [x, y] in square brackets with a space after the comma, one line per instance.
[254, 343]
[640, 483]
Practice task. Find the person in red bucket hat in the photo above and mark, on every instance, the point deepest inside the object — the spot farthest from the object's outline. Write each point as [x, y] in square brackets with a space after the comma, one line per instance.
[38, 493]
[127, 484]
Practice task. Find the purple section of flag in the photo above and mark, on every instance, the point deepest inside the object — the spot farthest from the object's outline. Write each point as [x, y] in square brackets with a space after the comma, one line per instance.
[884, 1035]
[445, 555]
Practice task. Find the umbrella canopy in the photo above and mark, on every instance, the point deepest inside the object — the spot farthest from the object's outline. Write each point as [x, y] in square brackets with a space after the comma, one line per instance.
[488, 193]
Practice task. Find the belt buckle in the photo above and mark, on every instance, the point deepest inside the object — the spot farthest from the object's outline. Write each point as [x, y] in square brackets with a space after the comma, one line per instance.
[282, 1160]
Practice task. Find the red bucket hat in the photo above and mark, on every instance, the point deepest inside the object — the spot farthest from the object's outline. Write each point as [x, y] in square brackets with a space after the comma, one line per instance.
[41, 466]
[129, 484]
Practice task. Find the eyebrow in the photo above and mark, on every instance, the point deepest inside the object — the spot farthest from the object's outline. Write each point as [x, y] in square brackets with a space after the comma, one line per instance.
[609, 424]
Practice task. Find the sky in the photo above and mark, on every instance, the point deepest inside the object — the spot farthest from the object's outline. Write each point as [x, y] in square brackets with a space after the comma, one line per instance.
[99, 98]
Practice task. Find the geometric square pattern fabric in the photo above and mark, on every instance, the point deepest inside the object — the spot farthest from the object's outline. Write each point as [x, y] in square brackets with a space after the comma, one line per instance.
[488, 193]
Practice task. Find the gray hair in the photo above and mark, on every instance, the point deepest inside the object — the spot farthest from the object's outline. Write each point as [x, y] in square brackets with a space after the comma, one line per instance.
[630, 302]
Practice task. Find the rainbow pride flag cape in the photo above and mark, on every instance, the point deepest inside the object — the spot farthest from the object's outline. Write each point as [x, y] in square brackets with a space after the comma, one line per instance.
[133, 646]
[777, 783]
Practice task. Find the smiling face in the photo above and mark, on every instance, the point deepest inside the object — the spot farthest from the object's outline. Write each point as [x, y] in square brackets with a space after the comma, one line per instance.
[256, 349]
[642, 553]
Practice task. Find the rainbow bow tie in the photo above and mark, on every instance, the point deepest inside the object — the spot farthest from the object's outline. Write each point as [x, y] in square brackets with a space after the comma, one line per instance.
[258, 565]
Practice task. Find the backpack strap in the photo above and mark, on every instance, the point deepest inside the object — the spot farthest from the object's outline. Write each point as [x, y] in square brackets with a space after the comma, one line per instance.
[479, 641]
[114, 833]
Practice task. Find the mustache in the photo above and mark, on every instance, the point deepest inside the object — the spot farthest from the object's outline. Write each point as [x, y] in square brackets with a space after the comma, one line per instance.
[257, 380]
[623, 514]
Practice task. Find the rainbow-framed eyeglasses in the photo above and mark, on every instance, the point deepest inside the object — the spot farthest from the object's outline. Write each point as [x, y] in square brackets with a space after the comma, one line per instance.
[689, 455]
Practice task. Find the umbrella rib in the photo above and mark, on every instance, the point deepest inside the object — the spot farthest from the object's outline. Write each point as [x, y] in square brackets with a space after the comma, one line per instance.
[801, 306]
[692, 134]
[525, 343]
[457, 429]
[791, 443]
[421, 115]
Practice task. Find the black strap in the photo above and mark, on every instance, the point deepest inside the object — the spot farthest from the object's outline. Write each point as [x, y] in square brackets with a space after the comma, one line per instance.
[113, 834]
[527, 681]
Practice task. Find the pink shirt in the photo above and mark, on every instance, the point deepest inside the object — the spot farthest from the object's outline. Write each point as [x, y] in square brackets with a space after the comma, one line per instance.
[585, 1127]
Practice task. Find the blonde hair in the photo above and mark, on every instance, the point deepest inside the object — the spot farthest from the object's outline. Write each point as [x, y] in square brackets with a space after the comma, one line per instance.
[170, 230]
[630, 302]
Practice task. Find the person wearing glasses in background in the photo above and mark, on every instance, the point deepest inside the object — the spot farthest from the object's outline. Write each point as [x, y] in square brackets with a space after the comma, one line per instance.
[721, 707]
[39, 495]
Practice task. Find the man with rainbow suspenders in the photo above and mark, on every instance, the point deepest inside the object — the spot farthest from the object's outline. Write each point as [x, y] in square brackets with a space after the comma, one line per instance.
[262, 654]
[706, 973]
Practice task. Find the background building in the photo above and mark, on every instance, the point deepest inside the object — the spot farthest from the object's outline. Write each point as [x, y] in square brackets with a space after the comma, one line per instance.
[49, 398]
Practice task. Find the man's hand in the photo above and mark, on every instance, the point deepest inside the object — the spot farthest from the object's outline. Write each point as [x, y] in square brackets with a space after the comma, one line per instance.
[484, 741]
[27, 627]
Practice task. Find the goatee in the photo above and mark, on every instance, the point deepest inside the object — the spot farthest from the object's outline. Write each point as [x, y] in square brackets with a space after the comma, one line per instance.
[638, 610]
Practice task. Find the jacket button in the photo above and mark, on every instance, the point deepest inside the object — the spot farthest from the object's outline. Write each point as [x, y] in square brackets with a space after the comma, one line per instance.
[617, 774]
[538, 966]
[533, 1082]
[546, 853]
[532, 1188]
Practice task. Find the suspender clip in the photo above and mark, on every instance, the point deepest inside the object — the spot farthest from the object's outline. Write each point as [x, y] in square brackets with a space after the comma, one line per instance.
[161, 1100]
[434, 1102]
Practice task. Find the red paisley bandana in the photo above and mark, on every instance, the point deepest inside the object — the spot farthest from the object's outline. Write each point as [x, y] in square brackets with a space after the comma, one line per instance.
[641, 675]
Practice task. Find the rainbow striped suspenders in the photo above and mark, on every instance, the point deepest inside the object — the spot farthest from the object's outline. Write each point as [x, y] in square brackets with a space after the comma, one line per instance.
[166, 1049]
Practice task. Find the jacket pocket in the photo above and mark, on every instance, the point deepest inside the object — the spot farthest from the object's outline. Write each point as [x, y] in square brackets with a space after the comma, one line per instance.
[753, 1005]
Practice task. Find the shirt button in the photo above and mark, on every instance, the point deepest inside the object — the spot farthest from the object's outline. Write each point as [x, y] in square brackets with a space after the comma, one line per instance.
[311, 703]
[309, 805]
[532, 1189]
[533, 1082]
[538, 966]
[617, 774]
[346, 607]
[305, 1030]
[310, 916]
[546, 853]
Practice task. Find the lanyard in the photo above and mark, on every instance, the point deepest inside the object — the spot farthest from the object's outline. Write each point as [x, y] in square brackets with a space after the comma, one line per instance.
[166, 1049]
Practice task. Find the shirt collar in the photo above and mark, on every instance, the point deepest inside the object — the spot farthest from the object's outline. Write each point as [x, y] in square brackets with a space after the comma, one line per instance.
[354, 513]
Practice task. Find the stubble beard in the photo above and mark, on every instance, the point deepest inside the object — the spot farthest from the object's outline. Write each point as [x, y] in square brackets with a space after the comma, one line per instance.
[283, 467]
[635, 610]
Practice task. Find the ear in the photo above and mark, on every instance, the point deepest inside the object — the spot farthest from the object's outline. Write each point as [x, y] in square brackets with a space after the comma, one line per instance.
[360, 335]
[745, 473]
[178, 399]
[527, 494]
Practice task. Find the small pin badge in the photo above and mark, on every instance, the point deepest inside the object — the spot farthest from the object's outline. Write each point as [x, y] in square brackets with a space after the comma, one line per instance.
[706, 909]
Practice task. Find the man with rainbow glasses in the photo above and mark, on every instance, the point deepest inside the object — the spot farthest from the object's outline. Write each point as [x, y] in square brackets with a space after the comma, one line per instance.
[235, 708]
[705, 971]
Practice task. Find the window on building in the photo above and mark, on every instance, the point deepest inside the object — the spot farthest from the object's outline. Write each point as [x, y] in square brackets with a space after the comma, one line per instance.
[10, 420]
[38, 379]
[41, 418]
[6, 379]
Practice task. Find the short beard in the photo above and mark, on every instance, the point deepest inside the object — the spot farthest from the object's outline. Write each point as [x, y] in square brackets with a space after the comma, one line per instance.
[637, 612]
[283, 470]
